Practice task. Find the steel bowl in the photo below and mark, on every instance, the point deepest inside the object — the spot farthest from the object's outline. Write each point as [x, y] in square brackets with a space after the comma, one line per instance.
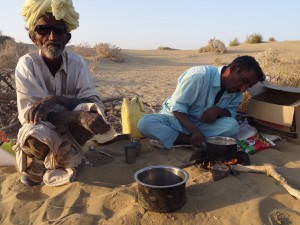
[161, 188]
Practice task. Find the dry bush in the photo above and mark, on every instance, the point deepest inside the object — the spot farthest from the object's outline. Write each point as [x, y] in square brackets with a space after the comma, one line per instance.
[8, 104]
[10, 52]
[83, 49]
[219, 62]
[109, 52]
[215, 46]
[4, 38]
[166, 48]
[93, 65]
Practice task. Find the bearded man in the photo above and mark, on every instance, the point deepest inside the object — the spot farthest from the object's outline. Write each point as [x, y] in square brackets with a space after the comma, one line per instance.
[59, 107]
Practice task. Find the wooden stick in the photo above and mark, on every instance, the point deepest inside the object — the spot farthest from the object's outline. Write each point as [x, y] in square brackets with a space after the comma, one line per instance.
[10, 126]
[8, 96]
[270, 171]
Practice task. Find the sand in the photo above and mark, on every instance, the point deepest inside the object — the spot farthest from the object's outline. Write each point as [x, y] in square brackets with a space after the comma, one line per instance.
[107, 193]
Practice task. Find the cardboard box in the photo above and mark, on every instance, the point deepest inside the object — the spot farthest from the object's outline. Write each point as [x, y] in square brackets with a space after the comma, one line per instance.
[275, 110]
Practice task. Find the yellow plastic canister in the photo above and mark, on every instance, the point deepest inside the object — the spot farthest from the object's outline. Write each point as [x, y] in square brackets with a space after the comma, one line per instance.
[132, 111]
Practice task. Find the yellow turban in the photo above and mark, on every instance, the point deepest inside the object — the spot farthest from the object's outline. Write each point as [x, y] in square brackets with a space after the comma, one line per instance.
[64, 10]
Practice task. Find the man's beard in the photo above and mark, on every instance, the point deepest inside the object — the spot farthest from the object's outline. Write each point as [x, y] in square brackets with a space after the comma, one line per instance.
[52, 51]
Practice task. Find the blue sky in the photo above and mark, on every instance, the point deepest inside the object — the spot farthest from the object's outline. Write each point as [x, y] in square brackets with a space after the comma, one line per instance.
[182, 24]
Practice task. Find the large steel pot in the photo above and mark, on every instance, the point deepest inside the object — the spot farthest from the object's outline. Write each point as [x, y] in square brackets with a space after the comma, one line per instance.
[161, 188]
[220, 148]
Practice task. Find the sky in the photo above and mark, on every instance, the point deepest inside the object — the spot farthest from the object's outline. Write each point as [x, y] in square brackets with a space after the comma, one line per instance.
[180, 24]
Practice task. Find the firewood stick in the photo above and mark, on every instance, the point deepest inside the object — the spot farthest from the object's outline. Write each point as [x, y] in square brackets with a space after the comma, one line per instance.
[8, 96]
[10, 126]
[270, 171]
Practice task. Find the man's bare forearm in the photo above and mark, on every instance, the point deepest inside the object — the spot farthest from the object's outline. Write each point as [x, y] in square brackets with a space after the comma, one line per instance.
[223, 113]
[63, 117]
[70, 103]
[184, 120]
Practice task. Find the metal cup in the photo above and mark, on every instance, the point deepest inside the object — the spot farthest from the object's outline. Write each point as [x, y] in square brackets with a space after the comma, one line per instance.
[138, 145]
[130, 153]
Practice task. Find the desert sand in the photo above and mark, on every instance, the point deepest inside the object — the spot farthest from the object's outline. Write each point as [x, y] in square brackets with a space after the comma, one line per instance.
[106, 192]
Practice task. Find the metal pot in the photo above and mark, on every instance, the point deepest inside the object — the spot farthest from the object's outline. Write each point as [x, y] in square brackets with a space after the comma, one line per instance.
[161, 188]
[220, 148]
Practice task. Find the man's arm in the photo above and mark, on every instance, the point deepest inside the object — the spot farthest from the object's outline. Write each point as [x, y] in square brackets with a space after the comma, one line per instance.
[211, 114]
[92, 122]
[196, 137]
[40, 109]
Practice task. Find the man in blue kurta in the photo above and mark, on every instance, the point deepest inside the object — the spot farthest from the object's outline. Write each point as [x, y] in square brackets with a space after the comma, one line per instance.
[203, 104]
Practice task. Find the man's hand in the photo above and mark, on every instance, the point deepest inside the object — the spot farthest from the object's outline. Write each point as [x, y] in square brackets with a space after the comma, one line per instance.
[197, 138]
[93, 122]
[40, 109]
[210, 115]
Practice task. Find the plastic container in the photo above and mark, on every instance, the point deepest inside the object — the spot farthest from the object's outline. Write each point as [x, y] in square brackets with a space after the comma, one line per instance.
[132, 112]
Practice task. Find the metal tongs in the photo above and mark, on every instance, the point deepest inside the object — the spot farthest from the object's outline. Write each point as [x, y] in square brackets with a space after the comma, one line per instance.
[199, 155]
[92, 148]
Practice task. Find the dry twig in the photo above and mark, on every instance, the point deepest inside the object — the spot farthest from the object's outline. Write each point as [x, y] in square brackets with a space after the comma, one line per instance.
[270, 171]
[8, 101]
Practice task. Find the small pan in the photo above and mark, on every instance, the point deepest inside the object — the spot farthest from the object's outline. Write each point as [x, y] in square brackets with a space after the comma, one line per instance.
[220, 148]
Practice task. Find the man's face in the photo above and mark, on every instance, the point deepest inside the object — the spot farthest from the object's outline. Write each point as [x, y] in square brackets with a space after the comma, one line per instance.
[240, 81]
[51, 36]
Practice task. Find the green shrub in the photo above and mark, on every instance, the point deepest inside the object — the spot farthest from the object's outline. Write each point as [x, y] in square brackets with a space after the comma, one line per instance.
[234, 42]
[254, 38]
[271, 39]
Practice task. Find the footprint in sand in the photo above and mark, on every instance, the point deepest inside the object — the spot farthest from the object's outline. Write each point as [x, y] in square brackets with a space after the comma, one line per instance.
[31, 195]
[284, 217]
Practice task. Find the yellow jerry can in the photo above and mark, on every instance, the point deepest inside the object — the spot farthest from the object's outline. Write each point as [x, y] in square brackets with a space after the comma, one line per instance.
[132, 111]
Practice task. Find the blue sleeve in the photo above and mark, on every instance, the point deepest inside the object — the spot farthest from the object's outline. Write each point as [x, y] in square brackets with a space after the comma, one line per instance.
[187, 91]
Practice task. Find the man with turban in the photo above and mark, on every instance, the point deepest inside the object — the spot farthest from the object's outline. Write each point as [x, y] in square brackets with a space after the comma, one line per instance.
[59, 107]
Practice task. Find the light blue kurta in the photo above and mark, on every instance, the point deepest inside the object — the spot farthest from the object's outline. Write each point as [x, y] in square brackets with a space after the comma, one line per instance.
[195, 92]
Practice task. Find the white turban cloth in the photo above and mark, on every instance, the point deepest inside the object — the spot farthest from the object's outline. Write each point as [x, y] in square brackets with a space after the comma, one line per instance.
[64, 10]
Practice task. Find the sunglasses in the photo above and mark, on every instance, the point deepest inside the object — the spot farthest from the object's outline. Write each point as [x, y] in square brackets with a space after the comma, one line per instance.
[44, 30]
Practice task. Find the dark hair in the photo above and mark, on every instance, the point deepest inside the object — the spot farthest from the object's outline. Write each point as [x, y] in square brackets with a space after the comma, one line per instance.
[249, 63]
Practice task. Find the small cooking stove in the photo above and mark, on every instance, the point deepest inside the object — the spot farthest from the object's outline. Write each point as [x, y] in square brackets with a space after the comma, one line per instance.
[207, 159]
